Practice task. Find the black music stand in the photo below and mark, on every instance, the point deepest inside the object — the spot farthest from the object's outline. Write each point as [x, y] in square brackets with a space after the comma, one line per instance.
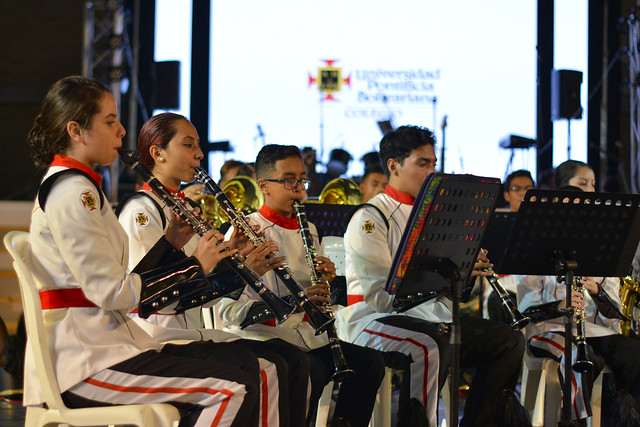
[497, 234]
[330, 220]
[567, 233]
[439, 247]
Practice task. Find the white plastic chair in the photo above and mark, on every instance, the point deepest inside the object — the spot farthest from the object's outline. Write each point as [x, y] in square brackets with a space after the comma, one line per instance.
[156, 414]
[542, 392]
[381, 416]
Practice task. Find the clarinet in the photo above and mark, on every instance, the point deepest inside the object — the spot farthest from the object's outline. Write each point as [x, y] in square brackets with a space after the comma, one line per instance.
[582, 364]
[280, 308]
[317, 318]
[342, 371]
[518, 320]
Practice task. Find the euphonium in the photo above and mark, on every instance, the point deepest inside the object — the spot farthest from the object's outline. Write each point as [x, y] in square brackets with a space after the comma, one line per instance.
[317, 318]
[582, 364]
[341, 191]
[244, 193]
[280, 308]
[629, 290]
[342, 370]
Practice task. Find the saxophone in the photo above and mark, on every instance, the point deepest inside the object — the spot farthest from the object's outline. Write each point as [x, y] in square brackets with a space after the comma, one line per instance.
[342, 370]
[629, 290]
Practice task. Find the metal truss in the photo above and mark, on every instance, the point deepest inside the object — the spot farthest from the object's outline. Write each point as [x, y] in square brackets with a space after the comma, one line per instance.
[103, 54]
[634, 98]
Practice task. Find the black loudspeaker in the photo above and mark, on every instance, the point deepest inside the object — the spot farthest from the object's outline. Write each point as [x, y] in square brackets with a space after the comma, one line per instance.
[167, 85]
[565, 94]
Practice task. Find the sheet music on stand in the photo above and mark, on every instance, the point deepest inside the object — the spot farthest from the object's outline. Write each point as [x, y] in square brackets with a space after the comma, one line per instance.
[571, 233]
[439, 247]
[448, 221]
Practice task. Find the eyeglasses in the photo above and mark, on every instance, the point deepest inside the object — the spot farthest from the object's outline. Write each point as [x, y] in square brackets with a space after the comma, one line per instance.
[292, 183]
[517, 188]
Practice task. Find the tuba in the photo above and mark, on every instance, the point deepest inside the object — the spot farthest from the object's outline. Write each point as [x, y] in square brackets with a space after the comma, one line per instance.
[629, 290]
[341, 191]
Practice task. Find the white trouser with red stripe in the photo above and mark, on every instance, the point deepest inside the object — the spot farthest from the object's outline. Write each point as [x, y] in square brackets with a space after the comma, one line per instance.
[424, 354]
[551, 345]
[213, 393]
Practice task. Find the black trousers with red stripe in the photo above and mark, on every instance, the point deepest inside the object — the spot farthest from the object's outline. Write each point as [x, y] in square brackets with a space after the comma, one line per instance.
[292, 365]
[491, 347]
[203, 359]
[358, 393]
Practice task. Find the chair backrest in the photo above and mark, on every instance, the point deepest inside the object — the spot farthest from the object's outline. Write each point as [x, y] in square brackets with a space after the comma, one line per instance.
[17, 243]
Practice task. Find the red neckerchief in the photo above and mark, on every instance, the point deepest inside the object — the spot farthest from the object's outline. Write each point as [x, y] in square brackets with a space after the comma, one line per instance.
[399, 196]
[146, 187]
[277, 219]
[60, 160]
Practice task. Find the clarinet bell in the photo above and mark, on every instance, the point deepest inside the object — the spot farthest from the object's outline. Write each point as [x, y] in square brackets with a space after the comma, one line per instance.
[582, 365]
[279, 307]
[519, 321]
[319, 320]
[342, 374]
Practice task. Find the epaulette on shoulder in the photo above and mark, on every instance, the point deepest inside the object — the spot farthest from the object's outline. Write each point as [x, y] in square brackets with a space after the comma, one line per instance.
[47, 185]
[124, 201]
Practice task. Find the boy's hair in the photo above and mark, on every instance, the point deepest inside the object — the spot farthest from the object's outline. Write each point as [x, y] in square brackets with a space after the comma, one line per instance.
[399, 143]
[373, 168]
[270, 154]
[522, 173]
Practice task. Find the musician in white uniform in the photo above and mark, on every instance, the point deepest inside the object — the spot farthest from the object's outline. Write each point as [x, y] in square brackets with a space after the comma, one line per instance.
[542, 297]
[371, 241]
[282, 179]
[171, 152]
[78, 253]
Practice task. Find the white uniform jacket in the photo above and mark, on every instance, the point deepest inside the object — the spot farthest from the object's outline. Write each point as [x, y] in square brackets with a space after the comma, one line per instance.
[295, 329]
[143, 223]
[535, 290]
[77, 244]
[370, 249]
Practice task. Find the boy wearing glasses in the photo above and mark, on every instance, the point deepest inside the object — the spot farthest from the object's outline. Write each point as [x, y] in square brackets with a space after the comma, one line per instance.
[282, 178]
[515, 186]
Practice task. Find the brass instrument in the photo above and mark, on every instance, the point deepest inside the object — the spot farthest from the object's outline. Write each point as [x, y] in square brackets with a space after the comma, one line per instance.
[342, 370]
[244, 193]
[281, 309]
[518, 320]
[582, 364]
[317, 318]
[629, 290]
[341, 191]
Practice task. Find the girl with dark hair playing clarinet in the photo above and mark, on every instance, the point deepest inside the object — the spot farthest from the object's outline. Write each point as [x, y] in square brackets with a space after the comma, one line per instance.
[78, 253]
[597, 302]
[168, 146]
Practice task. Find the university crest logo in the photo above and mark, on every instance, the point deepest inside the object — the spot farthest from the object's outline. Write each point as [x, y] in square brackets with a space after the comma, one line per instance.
[88, 201]
[142, 219]
[329, 80]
